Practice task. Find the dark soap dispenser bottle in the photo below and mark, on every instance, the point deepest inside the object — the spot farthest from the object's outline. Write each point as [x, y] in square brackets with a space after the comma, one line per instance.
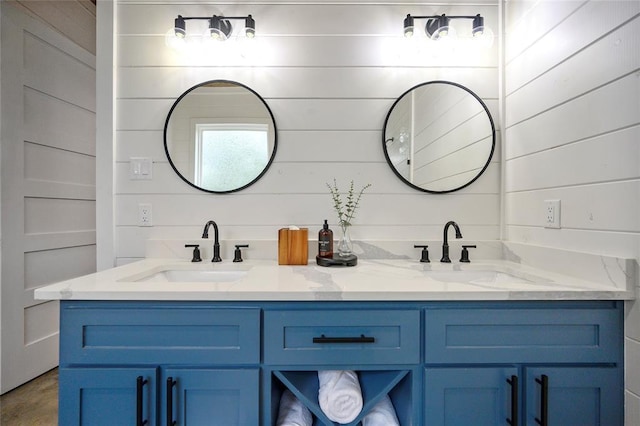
[325, 241]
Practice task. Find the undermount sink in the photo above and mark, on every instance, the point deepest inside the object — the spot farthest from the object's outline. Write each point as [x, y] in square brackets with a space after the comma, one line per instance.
[194, 275]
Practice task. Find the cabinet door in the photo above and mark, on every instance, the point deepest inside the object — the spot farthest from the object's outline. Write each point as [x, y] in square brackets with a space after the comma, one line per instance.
[574, 396]
[210, 397]
[107, 396]
[470, 396]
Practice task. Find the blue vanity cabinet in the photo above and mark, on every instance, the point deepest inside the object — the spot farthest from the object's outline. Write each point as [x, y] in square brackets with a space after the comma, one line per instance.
[126, 362]
[441, 363]
[558, 363]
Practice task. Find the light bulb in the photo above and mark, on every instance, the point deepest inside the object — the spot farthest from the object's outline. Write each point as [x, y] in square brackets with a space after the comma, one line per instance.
[174, 40]
[484, 38]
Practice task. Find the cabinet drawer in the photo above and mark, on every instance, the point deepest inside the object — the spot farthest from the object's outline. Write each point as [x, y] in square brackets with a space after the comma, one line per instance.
[342, 337]
[522, 335]
[159, 334]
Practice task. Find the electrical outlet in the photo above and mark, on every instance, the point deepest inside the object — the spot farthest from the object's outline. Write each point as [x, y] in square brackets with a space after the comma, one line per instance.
[144, 215]
[552, 213]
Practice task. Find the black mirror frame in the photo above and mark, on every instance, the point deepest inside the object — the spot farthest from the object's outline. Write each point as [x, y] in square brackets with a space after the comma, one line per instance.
[275, 136]
[493, 133]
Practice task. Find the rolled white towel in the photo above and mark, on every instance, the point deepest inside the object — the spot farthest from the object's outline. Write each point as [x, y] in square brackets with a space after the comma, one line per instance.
[292, 412]
[339, 395]
[382, 414]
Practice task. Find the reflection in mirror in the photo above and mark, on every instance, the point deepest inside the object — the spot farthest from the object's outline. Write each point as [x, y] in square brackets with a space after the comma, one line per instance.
[439, 137]
[220, 136]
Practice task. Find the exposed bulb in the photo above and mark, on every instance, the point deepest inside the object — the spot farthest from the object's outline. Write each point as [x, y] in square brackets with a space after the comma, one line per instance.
[175, 39]
[484, 37]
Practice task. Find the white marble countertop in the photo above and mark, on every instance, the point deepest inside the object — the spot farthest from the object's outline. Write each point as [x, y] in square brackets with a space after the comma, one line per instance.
[370, 280]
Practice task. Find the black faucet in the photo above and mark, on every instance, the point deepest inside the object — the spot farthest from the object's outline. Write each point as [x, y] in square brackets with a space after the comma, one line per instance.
[445, 242]
[216, 242]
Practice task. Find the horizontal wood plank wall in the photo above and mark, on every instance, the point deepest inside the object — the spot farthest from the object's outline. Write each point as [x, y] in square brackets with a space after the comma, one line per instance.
[572, 125]
[76, 19]
[572, 133]
[59, 160]
[48, 184]
[330, 73]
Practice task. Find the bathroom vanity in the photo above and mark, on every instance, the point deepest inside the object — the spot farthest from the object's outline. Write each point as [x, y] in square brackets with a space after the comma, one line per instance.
[496, 343]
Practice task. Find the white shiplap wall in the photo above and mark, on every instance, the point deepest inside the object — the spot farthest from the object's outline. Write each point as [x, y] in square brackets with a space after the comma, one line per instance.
[329, 72]
[573, 133]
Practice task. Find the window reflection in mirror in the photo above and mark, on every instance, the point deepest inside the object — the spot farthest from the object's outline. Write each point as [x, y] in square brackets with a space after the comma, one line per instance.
[439, 137]
[229, 156]
[220, 136]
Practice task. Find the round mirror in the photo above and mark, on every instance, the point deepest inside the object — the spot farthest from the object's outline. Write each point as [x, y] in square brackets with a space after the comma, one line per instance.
[220, 136]
[438, 137]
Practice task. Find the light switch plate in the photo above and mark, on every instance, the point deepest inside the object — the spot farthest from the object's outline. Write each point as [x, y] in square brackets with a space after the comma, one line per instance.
[140, 168]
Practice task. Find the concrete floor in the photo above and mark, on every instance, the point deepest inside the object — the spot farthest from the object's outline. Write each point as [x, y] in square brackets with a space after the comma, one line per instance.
[33, 404]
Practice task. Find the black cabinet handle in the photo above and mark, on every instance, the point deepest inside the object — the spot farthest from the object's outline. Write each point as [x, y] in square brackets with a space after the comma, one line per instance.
[140, 382]
[513, 421]
[361, 339]
[170, 384]
[543, 381]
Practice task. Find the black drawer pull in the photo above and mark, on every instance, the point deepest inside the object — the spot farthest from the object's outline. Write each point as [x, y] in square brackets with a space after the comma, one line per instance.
[170, 384]
[361, 339]
[513, 421]
[140, 382]
[544, 400]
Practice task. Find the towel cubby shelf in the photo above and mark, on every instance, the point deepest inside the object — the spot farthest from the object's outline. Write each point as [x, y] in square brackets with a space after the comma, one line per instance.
[375, 384]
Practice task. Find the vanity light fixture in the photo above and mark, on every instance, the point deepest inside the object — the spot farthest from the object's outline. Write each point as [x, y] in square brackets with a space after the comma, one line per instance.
[438, 26]
[220, 27]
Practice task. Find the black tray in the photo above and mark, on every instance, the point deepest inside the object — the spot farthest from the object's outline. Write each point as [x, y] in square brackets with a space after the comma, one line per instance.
[337, 260]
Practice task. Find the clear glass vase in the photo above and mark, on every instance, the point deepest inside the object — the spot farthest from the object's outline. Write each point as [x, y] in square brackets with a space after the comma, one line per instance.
[345, 245]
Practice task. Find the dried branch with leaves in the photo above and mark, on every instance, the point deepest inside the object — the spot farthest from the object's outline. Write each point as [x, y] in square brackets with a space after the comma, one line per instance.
[346, 210]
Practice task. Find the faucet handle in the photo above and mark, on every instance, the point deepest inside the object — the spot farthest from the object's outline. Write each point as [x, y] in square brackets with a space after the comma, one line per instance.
[425, 253]
[237, 255]
[464, 256]
[196, 252]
